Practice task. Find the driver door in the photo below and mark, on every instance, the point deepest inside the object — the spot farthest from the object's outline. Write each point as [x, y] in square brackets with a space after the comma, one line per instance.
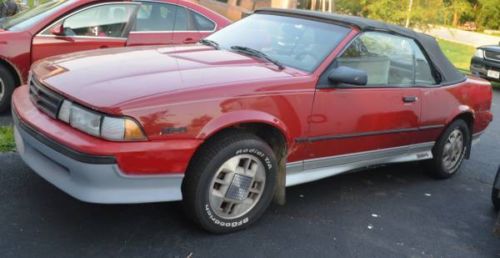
[98, 26]
[371, 119]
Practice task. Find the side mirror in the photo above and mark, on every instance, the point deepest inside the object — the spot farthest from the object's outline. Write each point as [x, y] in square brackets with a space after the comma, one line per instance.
[58, 30]
[344, 74]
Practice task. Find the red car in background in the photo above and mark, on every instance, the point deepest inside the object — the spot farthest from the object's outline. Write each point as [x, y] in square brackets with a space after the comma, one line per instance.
[59, 27]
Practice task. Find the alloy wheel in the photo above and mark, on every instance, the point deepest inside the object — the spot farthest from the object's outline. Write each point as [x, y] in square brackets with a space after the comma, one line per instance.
[454, 149]
[237, 186]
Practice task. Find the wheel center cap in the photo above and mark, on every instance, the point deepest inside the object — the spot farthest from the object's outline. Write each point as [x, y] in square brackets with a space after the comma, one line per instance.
[239, 188]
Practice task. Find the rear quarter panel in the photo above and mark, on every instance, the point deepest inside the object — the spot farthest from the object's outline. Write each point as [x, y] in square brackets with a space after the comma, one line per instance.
[441, 105]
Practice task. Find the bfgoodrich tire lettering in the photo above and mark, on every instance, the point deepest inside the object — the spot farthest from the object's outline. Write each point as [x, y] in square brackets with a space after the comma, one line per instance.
[449, 151]
[230, 182]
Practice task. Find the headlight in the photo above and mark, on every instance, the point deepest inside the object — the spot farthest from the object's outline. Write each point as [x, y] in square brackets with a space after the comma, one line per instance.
[96, 124]
[479, 53]
[85, 120]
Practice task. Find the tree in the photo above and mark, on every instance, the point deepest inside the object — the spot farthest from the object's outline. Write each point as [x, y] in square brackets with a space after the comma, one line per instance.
[393, 11]
[486, 13]
[351, 7]
[426, 12]
[489, 14]
[457, 9]
[408, 15]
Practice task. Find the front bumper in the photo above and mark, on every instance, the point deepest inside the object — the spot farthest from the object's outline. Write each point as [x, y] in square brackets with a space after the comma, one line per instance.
[94, 179]
[480, 67]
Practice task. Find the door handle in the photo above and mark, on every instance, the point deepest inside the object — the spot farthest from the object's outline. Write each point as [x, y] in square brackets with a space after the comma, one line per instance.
[189, 40]
[104, 46]
[410, 99]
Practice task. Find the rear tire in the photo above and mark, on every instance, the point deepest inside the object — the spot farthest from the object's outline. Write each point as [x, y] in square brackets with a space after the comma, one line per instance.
[449, 151]
[7, 86]
[230, 182]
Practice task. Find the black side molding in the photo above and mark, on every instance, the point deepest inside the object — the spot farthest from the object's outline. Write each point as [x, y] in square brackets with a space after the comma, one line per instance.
[373, 133]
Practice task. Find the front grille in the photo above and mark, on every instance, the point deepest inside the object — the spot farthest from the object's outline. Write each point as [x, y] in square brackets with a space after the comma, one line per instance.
[46, 100]
[495, 56]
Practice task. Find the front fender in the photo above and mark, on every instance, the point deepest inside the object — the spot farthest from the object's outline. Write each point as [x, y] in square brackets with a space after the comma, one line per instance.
[240, 117]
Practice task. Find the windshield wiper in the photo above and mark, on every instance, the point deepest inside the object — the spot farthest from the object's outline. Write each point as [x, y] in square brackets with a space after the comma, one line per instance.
[211, 43]
[259, 54]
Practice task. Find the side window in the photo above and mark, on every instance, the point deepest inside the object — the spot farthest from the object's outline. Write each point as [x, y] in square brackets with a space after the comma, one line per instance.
[423, 71]
[202, 23]
[388, 60]
[156, 17]
[108, 20]
[182, 20]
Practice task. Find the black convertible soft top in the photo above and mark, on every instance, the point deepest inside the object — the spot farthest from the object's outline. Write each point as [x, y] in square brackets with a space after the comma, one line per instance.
[448, 73]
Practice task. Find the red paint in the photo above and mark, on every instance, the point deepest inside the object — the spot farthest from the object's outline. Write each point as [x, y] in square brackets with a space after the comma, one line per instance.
[20, 49]
[206, 90]
[358, 111]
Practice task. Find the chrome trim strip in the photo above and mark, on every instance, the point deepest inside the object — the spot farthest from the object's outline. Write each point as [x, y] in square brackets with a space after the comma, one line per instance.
[83, 37]
[316, 169]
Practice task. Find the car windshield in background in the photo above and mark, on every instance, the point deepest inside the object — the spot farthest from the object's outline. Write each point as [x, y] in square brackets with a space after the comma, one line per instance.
[29, 17]
[298, 43]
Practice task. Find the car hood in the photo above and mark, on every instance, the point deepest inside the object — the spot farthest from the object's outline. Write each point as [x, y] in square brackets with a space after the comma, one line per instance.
[106, 79]
[493, 48]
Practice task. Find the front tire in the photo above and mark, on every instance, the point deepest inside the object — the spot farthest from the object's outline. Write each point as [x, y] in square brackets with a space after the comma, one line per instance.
[449, 151]
[230, 182]
[7, 85]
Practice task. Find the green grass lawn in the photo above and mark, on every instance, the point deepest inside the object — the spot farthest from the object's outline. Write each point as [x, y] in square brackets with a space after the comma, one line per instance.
[460, 56]
[7, 139]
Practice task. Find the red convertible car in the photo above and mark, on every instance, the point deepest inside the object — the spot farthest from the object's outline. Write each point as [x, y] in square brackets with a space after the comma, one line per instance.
[227, 124]
[64, 26]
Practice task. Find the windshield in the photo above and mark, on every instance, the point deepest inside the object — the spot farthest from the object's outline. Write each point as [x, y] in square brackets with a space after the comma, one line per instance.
[29, 17]
[299, 43]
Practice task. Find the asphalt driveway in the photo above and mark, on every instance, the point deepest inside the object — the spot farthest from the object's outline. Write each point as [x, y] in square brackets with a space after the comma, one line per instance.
[391, 211]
